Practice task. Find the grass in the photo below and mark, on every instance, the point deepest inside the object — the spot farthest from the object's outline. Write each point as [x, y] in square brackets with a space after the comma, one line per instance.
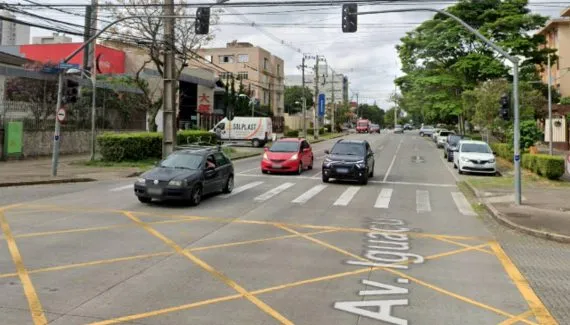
[324, 137]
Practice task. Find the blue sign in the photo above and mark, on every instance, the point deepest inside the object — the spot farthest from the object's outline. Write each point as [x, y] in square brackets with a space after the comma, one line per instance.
[517, 157]
[321, 104]
[65, 66]
[56, 138]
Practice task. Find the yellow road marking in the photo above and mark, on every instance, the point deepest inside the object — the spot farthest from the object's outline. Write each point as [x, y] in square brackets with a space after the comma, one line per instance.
[540, 311]
[464, 245]
[31, 295]
[260, 291]
[256, 301]
[518, 318]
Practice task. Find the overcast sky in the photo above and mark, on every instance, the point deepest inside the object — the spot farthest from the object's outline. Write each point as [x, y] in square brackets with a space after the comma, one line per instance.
[368, 57]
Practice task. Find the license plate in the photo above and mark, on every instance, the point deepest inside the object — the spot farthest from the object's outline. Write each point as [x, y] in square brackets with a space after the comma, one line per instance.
[342, 170]
[277, 166]
[154, 191]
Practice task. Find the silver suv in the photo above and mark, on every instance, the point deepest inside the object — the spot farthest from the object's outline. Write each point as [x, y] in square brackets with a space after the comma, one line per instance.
[427, 131]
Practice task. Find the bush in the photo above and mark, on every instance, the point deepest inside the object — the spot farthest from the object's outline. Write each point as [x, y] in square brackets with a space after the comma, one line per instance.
[530, 134]
[503, 150]
[551, 167]
[292, 133]
[143, 145]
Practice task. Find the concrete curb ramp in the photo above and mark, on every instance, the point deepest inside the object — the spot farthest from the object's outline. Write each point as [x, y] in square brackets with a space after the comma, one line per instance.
[502, 219]
[47, 181]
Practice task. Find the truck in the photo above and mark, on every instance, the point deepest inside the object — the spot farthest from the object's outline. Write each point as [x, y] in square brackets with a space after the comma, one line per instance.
[255, 130]
[362, 125]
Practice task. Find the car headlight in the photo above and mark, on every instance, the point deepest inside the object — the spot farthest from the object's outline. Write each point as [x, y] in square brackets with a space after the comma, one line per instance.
[265, 156]
[464, 159]
[360, 164]
[141, 181]
[294, 157]
[492, 160]
[177, 183]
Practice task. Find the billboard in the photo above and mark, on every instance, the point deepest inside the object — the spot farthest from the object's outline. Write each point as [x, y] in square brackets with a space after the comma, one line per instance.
[109, 60]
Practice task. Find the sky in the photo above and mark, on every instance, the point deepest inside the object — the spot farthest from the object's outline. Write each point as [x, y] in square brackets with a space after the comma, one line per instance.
[368, 57]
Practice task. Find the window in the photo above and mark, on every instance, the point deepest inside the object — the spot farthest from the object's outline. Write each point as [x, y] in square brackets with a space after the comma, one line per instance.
[242, 58]
[225, 75]
[476, 147]
[226, 59]
[211, 162]
[348, 149]
[220, 159]
[284, 146]
[208, 58]
[242, 75]
[182, 160]
[278, 70]
[265, 63]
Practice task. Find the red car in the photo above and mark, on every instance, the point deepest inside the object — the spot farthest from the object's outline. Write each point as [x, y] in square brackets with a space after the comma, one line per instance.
[287, 155]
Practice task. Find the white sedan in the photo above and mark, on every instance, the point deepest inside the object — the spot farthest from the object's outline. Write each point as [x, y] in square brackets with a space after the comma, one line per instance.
[474, 157]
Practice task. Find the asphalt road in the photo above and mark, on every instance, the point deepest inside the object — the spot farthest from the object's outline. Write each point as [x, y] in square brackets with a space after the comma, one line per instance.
[405, 249]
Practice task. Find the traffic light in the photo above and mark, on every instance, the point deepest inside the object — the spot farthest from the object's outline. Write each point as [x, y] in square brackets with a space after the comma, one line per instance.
[349, 17]
[202, 26]
[71, 92]
[504, 111]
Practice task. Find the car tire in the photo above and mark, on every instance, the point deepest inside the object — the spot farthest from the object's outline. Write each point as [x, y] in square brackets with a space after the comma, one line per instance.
[196, 196]
[364, 179]
[264, 171]
[300, 169]
[371, 174]
[144, 199]
[256, 143]
[421, 134]
[449, 159]
[460, 171]
[311, 165]
[454, 166]
[229, 187]
[325, 179]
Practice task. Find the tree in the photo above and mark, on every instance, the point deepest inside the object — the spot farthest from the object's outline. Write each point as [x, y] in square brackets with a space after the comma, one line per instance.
[389, 118]
[148, 33]
[372, 112]
[442, 60]
[294, 94]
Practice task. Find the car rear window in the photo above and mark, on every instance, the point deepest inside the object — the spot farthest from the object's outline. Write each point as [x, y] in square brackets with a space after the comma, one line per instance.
[445, 133]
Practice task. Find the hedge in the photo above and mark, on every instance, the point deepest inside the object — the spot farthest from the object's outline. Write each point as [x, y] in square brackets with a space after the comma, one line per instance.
[312, 131]
[144, 145]
[292, 133]
[551, 167]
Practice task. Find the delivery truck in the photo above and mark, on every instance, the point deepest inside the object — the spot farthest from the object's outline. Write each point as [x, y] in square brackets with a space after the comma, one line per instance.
[254, 130]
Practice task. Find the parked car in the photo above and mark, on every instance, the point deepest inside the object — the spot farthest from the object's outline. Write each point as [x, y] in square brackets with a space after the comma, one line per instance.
[436, 134]
[451, 145]
[374, 128]
[349, 160]
[288, 155]
[474, 156]
[187, 175]
[398, 129]
[426, 130]
[442, 137]
[256, 131]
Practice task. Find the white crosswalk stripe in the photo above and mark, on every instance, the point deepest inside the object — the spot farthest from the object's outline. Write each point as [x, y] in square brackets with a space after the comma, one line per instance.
[267, 195]
[303, 198]
[462, 204]
[422, 201]
[383, 200]
[345, 198]
[241, 189]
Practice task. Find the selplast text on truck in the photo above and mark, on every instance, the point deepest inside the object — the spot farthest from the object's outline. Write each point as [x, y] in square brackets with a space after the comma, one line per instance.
[362, 125]
[255, 130]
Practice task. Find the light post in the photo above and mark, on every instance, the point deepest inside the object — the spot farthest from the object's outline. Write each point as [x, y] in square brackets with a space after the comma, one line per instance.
[93, 108]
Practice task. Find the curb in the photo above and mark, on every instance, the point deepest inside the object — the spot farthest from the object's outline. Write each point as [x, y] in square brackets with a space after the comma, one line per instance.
[499, 217]
[51, 181]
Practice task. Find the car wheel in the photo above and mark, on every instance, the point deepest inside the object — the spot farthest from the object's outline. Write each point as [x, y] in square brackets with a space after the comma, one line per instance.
[454, 166]
[325, 179]
[364, 179]
[229, 187]
[256, 143]
[460, 171]
[196, 197]
[311, 165]
[421, 134]
[144, 199]
[300, 168]
[371, 172]
[449, 159]
[264, 171]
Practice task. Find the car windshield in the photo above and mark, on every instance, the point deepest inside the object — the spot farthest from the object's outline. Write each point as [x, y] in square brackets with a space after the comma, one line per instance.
[475, 147]
[428, 127]
[182, 161]
[285, 146]
[453, 140]
[445, 133]
[349, 149]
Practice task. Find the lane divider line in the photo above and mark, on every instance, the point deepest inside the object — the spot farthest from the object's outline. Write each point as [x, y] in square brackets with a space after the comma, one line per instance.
[393, 160]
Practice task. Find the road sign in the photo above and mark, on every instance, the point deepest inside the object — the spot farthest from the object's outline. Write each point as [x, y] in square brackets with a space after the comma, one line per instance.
[321, 104]
[517, 157]
[65, 66]
[56, 137]
[61, 115]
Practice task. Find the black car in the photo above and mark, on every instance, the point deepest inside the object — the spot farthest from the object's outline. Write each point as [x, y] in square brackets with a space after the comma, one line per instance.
[187, 175]
[451, 144]
[349, 160]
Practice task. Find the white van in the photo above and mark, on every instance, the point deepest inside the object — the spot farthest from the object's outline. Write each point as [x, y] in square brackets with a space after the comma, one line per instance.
[256, 130]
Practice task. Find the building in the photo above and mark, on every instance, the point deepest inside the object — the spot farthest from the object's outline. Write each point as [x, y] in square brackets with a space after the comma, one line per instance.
[557, 34]
[256, 67]
[12, 33]
[56, 38]
[325, 84]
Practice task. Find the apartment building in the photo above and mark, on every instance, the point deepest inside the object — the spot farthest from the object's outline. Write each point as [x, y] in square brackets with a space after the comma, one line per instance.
[256, 67]
[326, 84]
[12, 33]
[557, 33]
[55, 38]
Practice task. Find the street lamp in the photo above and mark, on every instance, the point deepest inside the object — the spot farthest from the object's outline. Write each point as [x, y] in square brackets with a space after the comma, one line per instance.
[93, 107]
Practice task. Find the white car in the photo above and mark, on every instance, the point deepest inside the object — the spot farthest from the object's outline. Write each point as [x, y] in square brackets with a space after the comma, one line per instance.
[442, 137]
[474, 157]
[435, 134]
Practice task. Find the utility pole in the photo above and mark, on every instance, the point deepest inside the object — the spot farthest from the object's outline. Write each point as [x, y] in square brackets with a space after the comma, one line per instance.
[304, 101]
[357, 107]
[168, 98]
[550, 136]
[316, 105]
[333, 104]
[93, 61]
[86, 34]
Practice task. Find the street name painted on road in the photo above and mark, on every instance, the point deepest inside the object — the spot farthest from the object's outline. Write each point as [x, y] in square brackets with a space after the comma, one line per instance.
[383, 253]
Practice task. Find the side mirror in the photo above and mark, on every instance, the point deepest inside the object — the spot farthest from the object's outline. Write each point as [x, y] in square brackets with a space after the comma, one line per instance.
[327, 152]
[265, 149]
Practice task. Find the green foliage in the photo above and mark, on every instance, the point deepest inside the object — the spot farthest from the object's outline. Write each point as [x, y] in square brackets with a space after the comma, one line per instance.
[143, 145]
[551, 167]
[312, 131]
[389, 118]
[503, 150]
[294, 95]
[372, 112]
[530, 134]
[292, 133]
[565, 100]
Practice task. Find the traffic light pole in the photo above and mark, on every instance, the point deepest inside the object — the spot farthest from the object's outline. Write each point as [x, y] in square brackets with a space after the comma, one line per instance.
[514, 61]
[56, 136]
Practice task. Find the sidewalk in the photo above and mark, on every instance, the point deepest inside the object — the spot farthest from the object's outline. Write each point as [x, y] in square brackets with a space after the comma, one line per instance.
[38, 171]
[545, 208]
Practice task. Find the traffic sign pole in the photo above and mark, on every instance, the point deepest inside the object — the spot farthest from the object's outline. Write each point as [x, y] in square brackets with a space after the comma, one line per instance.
[56, 136]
